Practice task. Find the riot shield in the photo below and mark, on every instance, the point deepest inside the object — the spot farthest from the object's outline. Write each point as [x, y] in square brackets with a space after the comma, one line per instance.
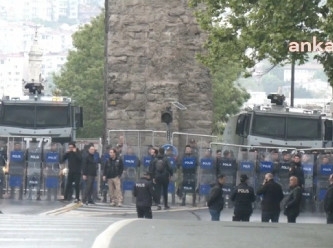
[324, 170]
[188, 183]
[34, 171]
[3, 163]
[130, 171]
[51, 171]
[228, 167]
[17, 169]
[206, 175]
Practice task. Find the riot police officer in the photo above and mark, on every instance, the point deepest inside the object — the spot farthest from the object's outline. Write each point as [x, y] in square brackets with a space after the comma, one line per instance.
[3, 163]
[144, 192]
[243, 196]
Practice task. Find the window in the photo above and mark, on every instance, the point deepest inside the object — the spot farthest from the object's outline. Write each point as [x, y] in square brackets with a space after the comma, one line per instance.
[18, 116]
[52, 116]
[32, 116]
[287, 127]
[302, 128]
[269, 126]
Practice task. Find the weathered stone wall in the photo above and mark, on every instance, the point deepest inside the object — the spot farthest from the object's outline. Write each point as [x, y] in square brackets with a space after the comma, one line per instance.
[151, 48]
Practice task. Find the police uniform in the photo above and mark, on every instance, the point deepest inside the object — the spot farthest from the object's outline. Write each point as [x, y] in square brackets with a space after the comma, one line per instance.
[328, 204]
[243, 196]
[144, 193]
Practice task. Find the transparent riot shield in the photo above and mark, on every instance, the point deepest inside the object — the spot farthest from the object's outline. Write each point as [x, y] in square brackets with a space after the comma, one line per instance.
[130, 174]
[171, 153]
[324, 170]
[247, 160]
[227, 165]
[145, 162]
[308, 199]
[206, 175]
[51, 170]
[282, 174]
[34, 171]
[17, 169]
[189, 166]
[3, 163]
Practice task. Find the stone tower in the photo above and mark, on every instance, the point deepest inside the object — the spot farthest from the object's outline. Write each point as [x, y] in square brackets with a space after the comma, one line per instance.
[35, 66]
[151, 50]
[35, 61]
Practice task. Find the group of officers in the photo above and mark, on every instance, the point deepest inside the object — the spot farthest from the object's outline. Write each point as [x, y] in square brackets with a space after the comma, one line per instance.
[83, 166]
[271, 194]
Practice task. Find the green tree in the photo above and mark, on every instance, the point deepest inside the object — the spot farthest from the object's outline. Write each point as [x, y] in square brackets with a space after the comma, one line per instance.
[326, 58]
[82, 76]
[221, 57]
[254, 30]
[227, 96]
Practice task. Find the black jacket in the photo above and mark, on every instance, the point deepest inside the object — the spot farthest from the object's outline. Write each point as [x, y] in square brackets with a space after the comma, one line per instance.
[297, 171]
[74, 161]
[113, 168]
[272, 196]
[215, 199]
[243, 196]
[89, 165]
[293, 202]
[144, 192]
[166, 173]
[328, 200]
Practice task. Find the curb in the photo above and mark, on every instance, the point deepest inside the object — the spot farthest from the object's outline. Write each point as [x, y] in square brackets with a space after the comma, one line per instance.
[64, 209]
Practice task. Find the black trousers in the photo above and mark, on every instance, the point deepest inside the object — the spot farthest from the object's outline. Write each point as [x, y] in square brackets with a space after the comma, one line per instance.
[144, 212]
[270, 216]
[89, 189]
[292, 218]
[238, 216]
[72, 178]
[162, 185]
[329, 218]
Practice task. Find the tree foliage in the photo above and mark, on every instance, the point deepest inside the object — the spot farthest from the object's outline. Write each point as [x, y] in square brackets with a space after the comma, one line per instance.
[82, 76]
[253, 30]
[326, 58]
[227, 97]
[222, 58]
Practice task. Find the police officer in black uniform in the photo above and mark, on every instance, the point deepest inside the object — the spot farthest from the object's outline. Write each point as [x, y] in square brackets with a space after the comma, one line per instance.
[144, 193]
[243, 196]
[3, 162]
[328, 201]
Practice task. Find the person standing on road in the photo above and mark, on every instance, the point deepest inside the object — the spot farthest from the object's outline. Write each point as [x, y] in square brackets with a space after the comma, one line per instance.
[328, 201]
[272, 195]
[293, 200]
[113, 169]
[297, 170]
[215, 201]
[188, 166]
[144, 192]
[243, 196]
[161, 174]
[89, 172]
[73, 156]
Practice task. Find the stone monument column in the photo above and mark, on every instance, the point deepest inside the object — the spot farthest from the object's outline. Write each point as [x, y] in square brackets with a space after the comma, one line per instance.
[151, 62]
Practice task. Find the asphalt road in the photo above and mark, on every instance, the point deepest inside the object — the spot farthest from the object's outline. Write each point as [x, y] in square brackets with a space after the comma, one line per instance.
[41, 224]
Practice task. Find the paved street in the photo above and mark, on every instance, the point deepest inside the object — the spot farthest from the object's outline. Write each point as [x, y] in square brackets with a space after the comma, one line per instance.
[50, 231]
[178, 213]
[57, 224]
